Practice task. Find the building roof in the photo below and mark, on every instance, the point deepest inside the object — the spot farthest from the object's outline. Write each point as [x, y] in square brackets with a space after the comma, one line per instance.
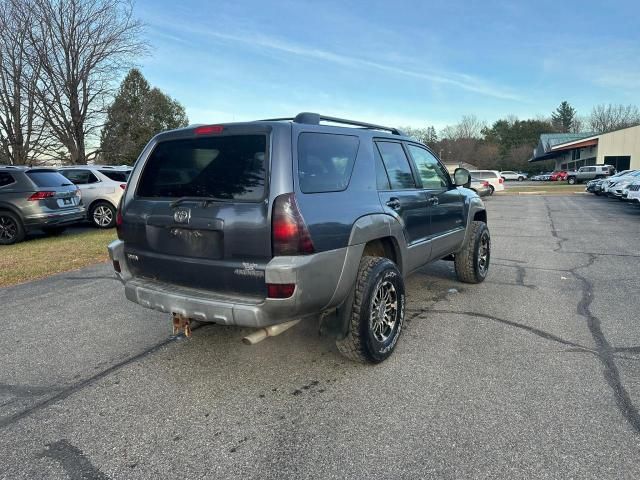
[545, 149]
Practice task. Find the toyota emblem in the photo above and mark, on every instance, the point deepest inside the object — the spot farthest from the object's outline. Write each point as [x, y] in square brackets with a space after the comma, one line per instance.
[182, 215]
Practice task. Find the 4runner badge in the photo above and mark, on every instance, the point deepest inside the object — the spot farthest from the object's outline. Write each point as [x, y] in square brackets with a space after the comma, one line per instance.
[182, 215]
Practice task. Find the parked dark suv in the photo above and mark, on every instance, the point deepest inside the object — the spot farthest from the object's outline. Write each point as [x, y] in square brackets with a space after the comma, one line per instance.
[263, 223]
[36, 199]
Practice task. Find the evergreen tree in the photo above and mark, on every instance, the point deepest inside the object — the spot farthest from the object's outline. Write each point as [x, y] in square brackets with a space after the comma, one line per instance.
[564, 117]
[137, 113]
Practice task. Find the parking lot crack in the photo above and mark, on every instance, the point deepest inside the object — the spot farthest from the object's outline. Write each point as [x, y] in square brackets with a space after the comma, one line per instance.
[605, 351]
[533, 330]
[554, 231]
[66, 392]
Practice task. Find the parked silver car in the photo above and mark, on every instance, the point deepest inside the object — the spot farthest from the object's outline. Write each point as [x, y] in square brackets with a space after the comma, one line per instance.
[35, 199]
[101, 188]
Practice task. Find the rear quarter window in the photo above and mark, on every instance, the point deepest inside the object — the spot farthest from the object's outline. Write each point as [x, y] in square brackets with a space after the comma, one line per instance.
[226, 167]
[325, 161]
[6, 179]
[115, 175]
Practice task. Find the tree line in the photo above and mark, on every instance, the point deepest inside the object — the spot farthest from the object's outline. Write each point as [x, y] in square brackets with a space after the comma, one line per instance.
[508, 143]
[59, 64]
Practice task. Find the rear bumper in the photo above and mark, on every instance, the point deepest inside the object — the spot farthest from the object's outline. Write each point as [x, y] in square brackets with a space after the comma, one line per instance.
[50, 219]
[320, 280]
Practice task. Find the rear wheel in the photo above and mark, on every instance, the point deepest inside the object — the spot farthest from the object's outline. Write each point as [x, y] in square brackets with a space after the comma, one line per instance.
[103, 215]
[11, 229]
[491, 189]
[377, 313]
[472, 262]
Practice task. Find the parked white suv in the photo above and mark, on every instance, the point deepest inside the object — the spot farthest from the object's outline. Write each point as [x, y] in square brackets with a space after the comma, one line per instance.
[496, 182]
[632, 192]
[509, 175]
[101, 188]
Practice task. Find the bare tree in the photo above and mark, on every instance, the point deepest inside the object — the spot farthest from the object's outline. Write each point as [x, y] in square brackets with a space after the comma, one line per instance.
[469, 127]
[82, 47]
[22, 133]
[606, 118]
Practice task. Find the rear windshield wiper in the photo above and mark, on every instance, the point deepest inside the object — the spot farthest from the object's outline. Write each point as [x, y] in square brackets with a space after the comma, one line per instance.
[203, 200]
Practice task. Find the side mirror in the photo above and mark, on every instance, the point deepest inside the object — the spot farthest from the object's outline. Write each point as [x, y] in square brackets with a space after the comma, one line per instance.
[461, 177]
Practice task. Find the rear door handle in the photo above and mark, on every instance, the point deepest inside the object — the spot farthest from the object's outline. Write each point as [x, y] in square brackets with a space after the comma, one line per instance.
[394, 203]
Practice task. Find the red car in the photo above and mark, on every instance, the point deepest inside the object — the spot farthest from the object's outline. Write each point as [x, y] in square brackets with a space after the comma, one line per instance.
[558, 176]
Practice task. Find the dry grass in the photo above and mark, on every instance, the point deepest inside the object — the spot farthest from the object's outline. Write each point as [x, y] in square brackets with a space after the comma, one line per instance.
[41, 257]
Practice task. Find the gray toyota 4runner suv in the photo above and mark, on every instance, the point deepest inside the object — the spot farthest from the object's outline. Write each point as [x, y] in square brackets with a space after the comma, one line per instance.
[263, 223]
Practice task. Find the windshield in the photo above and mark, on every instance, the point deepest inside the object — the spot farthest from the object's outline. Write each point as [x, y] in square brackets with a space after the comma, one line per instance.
[229, 167]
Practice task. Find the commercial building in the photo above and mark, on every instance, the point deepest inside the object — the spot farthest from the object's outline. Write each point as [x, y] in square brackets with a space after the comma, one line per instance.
[620, 148]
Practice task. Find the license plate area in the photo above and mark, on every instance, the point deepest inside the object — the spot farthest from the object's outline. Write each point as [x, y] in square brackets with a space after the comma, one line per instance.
[186, 242]
[66, 202]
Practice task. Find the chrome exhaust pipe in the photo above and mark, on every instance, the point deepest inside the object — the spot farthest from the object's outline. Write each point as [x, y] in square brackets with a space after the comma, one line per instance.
[270, 331]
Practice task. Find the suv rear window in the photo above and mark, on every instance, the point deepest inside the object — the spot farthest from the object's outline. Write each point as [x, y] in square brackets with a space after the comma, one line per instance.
[231, 167]
[47, 178]
[115, 175]
[325, 161]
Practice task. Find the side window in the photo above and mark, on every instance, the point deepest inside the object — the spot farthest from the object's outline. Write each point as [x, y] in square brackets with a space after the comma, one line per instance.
[431, 172]
[382, 180]
[5, 179]
[325, 161]
[397, 165]
[77, 177]
[92, 178]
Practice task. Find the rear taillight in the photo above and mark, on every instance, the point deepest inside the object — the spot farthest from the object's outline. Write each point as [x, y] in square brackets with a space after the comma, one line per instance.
[41, 196]
[123, 186]
[501, 180]
[289, 233]
[280, 290]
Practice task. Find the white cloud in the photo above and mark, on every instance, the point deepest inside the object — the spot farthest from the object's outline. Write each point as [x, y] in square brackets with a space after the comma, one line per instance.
[253, 40]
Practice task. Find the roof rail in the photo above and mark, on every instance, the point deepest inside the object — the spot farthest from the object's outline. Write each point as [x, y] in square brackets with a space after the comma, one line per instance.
[311, 118]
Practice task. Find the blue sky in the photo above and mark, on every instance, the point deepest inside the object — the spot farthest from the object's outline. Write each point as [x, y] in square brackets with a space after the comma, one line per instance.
[403, 63]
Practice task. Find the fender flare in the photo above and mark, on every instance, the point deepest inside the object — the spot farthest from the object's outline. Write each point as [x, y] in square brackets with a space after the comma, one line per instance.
[365, 229]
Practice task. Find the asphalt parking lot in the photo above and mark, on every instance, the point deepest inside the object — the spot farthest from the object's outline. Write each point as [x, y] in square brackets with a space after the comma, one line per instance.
[532, 374]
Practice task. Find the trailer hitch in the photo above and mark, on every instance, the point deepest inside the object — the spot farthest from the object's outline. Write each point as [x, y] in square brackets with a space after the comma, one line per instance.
[181, 325]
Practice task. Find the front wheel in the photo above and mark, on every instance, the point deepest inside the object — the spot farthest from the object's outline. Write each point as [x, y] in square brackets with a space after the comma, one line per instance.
[377, 313]
[472, 262]
[521, 179]
[571, 180]
[103, 215]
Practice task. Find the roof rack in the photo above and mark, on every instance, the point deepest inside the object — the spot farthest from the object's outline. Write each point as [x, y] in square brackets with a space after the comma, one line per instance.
[310, 118]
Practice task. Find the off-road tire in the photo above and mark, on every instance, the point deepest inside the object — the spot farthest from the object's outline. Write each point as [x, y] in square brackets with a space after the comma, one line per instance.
[467, 261]
[360, 344]
[10, 220]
